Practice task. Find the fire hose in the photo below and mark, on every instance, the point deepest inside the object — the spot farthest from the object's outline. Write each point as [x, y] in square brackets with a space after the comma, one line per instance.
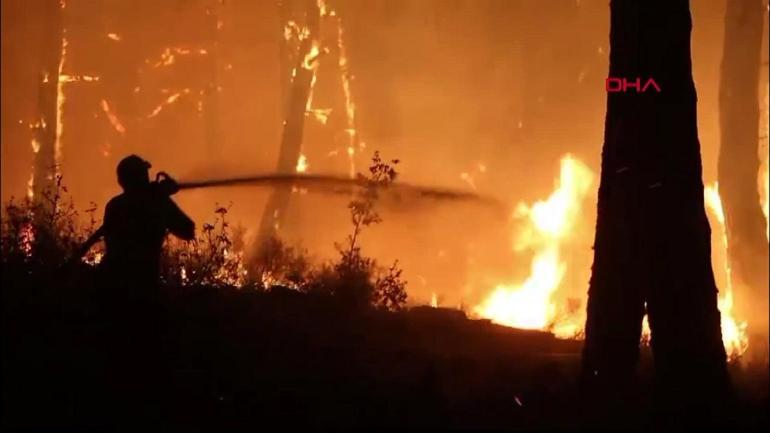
[338, 185]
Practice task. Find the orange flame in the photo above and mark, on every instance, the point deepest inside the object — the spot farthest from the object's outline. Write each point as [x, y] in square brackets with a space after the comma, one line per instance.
[302, 164]
[529, 304]
[734, 332]
[113, 118]
[168, 101]
[27, 239]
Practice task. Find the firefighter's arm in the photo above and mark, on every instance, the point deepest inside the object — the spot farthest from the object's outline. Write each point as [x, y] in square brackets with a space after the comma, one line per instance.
[166, 184]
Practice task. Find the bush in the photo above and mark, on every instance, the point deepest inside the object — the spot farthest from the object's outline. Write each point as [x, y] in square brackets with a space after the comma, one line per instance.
[39, 236]
[278, 264]
[357, 280]
[213, 259]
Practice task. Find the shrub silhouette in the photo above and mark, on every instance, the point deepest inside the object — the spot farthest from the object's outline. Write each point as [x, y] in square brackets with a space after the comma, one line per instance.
[40, 237]
[356, 280]
[40, 234]
[213, 259]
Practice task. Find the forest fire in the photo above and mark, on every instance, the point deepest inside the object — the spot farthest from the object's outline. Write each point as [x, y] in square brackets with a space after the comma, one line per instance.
[435, 214]
[302, 164]
[734, 332]
[529, 305]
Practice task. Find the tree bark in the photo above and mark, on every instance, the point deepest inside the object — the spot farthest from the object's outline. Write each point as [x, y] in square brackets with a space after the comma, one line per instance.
[652, 245]
[46, 126]
[293, 128]
[214, 139]
[739, 159]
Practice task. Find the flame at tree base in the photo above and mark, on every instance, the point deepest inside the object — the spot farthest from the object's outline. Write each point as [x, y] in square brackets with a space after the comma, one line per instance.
[533, 304]
[530, 305]
[734, 332]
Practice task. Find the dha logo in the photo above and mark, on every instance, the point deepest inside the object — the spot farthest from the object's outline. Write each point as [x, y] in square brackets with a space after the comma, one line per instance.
[614, 85]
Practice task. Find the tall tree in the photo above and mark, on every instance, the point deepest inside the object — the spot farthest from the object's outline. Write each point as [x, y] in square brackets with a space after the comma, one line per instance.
[652, 245]
[47, 126]
[294, 121]
[212, 124]
[739, 157]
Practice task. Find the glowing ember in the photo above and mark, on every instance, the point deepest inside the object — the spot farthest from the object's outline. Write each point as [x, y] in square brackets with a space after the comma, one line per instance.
[168, 101]
[310, 58]
[734, 334]
[529, 304]
[169, 55]
[302, 164]
[31, 185]
[232, 272]
[65, 78]
[321, 114]
[27, 239]
[292, 30]
[60, 101]
[350, 107]
[93, 259]
[183, 275]
[114, 121]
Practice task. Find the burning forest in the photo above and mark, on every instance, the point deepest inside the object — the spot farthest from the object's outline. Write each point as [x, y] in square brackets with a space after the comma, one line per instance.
[436, 214]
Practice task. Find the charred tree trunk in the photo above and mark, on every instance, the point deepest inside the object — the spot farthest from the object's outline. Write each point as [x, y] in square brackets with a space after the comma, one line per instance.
[212, 125]
[739, 158]
[652, 245]
[47, 125]
[293, 127]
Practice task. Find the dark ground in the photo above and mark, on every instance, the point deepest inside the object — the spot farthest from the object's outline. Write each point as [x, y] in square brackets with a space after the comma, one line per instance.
[74, 359]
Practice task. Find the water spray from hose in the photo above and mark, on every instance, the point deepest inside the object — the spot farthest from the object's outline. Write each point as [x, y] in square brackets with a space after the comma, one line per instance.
[340, 185]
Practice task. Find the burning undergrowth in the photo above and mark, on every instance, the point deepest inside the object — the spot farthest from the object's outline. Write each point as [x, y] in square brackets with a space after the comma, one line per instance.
[218, 257]
[551, 232]
[44, 237]
[40, 237]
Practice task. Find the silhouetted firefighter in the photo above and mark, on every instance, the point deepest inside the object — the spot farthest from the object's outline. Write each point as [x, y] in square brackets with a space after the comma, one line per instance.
[135, 225]
[652, 246]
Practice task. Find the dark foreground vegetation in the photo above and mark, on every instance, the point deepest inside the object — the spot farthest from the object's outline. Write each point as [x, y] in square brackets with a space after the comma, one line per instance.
[225, 359]
[273, 340]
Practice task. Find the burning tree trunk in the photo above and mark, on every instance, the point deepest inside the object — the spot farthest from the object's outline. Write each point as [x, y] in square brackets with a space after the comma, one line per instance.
[213, 131]
[294, 122]
[739, 157]
[652, 244]
[46, 128]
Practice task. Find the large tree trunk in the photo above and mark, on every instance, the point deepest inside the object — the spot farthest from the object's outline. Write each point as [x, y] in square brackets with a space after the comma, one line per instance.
[47, 124]
[293, 128]
[214, 139]
[652, 241]
[739, 159]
